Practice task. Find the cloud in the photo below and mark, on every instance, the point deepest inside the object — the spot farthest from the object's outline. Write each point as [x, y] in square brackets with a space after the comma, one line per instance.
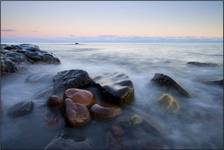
[8, 30]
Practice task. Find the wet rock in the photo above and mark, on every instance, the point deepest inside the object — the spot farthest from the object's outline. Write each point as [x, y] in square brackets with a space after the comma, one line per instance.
[55, 101]
[7, 66]
[165, 80]
[168, 102]
[104, 113]
[60, 143]
[76, 114]
[215, 82]
[21, 109]
[117, 87]
[71, 79]
[202, 64]
[13, 55]
[80, 96]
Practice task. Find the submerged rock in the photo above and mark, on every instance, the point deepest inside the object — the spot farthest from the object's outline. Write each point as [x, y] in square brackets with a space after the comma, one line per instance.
[80, 96]
[55, 101]
[21, 109]
[215, 82]
[168, 102]
[60, 143]
[202, 64]
[165, 80]
[117, 87]
[71, 79]
[76, 114]
[104, 113]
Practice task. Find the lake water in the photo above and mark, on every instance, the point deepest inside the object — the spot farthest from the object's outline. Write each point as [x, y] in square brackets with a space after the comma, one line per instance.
[198, 124]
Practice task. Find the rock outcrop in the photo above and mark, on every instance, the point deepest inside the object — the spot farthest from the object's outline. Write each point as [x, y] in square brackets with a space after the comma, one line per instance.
[13, 55]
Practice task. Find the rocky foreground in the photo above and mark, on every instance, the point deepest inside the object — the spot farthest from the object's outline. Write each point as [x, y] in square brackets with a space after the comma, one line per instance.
[81, 99]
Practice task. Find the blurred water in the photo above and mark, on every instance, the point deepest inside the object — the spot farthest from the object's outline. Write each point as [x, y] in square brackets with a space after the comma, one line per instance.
[199, 123]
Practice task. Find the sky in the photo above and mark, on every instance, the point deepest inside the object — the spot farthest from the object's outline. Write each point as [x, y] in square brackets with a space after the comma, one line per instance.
[98, 20]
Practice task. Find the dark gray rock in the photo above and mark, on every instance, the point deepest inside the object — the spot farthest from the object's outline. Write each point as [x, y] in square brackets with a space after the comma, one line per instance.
[202, 64]
[71, 79]
[215, 82]
[117, 87]
[21, 109]
[13, 55]
[7, 66]
[60, 143]
[165, 80]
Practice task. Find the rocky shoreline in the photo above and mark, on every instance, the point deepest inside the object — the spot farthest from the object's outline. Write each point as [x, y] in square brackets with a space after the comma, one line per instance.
[75, 94]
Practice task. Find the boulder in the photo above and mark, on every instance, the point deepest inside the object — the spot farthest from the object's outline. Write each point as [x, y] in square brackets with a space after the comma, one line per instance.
[21, 109]
[117, 87]
[55, 101]
[80, 96]
[71, 79]
[60, 143]
[13, 55]
[165, 80]
[202, 64]
[104, 113]
[168, 102]
[76, 114]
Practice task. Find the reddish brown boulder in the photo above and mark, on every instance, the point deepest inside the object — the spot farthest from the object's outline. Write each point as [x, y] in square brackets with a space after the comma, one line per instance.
[80, 96]
[104, 113]
[76, 114]
[55, 101]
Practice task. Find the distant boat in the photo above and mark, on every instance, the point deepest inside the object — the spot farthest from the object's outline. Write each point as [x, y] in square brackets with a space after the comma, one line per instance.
[76, 43]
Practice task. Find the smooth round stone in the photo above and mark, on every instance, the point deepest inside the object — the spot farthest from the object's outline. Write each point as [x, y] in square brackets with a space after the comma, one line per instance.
[168, 102]
[55, 101]
[104, 113]
[76, 114]
[80, 96]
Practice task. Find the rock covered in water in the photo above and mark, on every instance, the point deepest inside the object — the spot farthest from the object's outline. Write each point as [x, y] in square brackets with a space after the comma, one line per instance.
[71, 79]
[165, 80]
[202, 64]
[21, 109]
[117, 87]
[125, 134]
[13, 55]
[55, 101]
[80, 96]
[168, 102]
[215, 82]
[60, 143]
[104, 113]
[76, 114]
